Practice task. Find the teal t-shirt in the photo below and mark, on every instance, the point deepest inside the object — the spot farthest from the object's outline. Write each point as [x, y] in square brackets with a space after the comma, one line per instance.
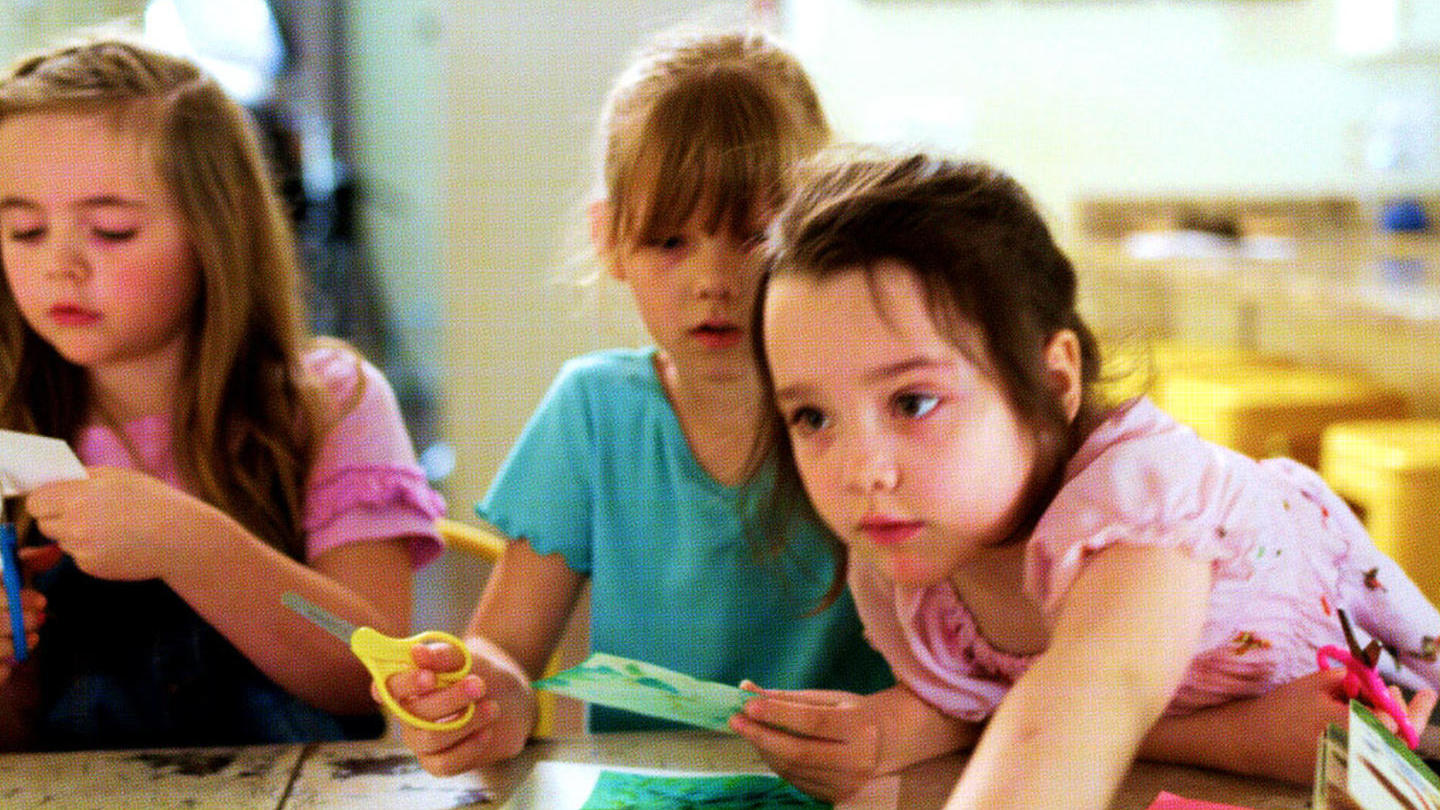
[602, 473]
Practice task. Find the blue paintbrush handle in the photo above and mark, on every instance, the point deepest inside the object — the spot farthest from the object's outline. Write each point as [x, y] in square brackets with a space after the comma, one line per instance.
[11, 559]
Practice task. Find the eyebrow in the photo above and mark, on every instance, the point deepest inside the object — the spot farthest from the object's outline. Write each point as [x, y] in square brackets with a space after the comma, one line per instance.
[97, 201]
[803, 390]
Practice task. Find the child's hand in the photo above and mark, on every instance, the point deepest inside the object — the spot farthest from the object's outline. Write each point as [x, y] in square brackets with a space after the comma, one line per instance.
[823, 742]
[32, 603]
[504, 714]
[118, 524]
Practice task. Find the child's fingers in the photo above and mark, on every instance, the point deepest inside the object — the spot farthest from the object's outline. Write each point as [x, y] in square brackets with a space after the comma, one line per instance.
[836, 719]
[437, 657]
[440, 704]
[40, 558]
[813, 697]
[1420, 707]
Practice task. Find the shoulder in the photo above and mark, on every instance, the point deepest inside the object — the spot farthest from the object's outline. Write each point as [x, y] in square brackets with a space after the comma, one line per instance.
[609, 367]
[1139, 478]
[343, 376]
[606, 385]
[1140, 459]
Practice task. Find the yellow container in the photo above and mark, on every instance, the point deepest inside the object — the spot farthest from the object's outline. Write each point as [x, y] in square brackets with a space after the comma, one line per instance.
[1142, 367]
[1273, 410]
[1390, 471]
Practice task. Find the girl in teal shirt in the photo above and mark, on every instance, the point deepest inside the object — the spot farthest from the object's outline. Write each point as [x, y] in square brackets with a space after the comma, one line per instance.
[639, 472]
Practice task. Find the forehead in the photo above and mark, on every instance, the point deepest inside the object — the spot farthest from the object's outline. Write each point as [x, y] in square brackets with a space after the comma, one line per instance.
[52, 157]
[851, 318]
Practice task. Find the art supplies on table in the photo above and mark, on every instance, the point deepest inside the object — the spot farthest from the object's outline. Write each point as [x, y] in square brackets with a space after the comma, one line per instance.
[643, 688]
[1368, 768]
[386, 655]
[1363, 679]
[27, 461]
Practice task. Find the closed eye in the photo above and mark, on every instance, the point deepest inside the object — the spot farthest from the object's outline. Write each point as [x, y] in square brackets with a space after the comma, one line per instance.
[115, 234]
[26, 235]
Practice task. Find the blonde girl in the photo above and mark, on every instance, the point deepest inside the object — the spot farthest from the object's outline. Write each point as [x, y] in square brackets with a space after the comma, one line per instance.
[1057, 573]
[151, 317]
[636, 473]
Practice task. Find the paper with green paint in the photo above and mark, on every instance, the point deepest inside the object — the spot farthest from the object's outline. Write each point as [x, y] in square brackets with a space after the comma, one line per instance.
[624, 683]
[615, 790]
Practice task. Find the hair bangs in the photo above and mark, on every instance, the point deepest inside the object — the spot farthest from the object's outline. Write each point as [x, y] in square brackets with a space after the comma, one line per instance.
[716, 150]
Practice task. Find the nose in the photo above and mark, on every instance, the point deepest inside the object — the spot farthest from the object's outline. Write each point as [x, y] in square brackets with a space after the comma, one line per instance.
[723, 264]
[870, 460]
[67, 260]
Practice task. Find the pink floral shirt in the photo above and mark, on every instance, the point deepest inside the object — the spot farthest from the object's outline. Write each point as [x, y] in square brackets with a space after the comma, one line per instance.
[365, 484]
[1284, 549]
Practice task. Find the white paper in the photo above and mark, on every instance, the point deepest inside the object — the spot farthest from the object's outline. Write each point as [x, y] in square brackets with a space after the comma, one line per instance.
[28, 461]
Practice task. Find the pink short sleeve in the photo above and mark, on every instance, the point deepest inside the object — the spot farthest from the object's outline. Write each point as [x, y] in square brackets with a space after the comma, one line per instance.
[1140, 478]
[365, 484]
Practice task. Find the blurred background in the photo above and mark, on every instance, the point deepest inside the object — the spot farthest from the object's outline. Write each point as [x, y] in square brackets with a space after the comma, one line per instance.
[1221, 170]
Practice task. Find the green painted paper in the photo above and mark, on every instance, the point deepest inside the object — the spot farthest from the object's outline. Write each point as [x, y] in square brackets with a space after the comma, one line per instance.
[624, 683]
[615, 790]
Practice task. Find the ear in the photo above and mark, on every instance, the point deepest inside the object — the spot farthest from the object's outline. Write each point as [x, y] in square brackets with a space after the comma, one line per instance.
[1063, 364]
[598, 213]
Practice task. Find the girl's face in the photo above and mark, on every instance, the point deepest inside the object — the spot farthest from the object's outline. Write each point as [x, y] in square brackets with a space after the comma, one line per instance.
[694, 291]
[93, 248]
[908, 450]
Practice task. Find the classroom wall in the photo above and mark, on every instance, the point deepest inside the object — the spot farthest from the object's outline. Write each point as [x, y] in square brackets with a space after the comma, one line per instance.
[1077, 97]
[523, 83]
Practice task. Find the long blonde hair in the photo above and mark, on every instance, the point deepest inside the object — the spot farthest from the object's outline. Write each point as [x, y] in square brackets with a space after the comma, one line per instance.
[704, 121]
[248, 415]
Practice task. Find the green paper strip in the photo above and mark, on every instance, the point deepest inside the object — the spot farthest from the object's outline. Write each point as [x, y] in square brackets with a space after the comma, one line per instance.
[624, 683]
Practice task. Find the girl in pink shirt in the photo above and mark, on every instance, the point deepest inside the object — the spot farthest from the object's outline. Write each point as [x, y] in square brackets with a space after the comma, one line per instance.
[151, 316]
[1066, 582]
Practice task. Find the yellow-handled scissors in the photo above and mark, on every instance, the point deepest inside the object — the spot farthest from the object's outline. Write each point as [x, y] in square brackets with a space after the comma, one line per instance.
[385, 655]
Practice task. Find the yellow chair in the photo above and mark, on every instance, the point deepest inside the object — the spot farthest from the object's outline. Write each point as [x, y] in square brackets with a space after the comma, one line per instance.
[489, 546]
[1390, 471]
[1142, 367]
[1273, 410]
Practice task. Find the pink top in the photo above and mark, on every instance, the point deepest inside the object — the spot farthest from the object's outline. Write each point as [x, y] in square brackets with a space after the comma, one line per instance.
[365, 484]
[1284, 549]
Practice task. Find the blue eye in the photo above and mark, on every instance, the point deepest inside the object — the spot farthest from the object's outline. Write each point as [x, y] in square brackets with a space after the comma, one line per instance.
[915, 405]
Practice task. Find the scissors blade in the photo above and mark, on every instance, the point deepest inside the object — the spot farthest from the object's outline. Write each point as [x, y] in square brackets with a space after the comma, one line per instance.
[324, 619]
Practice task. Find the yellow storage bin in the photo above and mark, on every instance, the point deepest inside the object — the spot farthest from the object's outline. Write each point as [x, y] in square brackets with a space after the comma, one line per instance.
[1142, 367]
[1390, 470]
[1273, 410]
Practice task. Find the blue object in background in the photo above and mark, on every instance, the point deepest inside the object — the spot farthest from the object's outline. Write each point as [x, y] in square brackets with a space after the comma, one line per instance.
[10, 558]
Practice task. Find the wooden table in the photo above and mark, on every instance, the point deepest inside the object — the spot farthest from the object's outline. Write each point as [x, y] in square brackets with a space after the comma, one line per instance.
[376, 774]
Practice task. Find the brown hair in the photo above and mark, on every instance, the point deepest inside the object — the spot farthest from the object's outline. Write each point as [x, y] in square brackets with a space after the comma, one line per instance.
[982, 254]
[704, 121]
[249, 414]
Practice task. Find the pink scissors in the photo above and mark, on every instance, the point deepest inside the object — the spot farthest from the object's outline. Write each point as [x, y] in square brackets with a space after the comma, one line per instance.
[1362, 679]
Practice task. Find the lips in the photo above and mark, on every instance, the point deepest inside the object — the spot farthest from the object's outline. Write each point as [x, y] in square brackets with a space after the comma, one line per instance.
[73, 315]
[717, 334]
[883, 531]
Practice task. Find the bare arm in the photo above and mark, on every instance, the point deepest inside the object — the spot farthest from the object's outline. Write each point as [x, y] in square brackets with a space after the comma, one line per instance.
[515, 628]
[1122, 643]
[121, 524]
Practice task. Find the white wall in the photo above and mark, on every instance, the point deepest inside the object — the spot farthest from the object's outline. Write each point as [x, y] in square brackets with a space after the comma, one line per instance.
[1165, 95]
[524, 80]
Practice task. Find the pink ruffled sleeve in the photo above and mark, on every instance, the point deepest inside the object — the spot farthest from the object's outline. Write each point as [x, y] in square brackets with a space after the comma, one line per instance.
[366, 484]
[1140, 479]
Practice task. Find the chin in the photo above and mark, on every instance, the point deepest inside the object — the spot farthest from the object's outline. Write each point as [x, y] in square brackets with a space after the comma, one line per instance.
[907, 569]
